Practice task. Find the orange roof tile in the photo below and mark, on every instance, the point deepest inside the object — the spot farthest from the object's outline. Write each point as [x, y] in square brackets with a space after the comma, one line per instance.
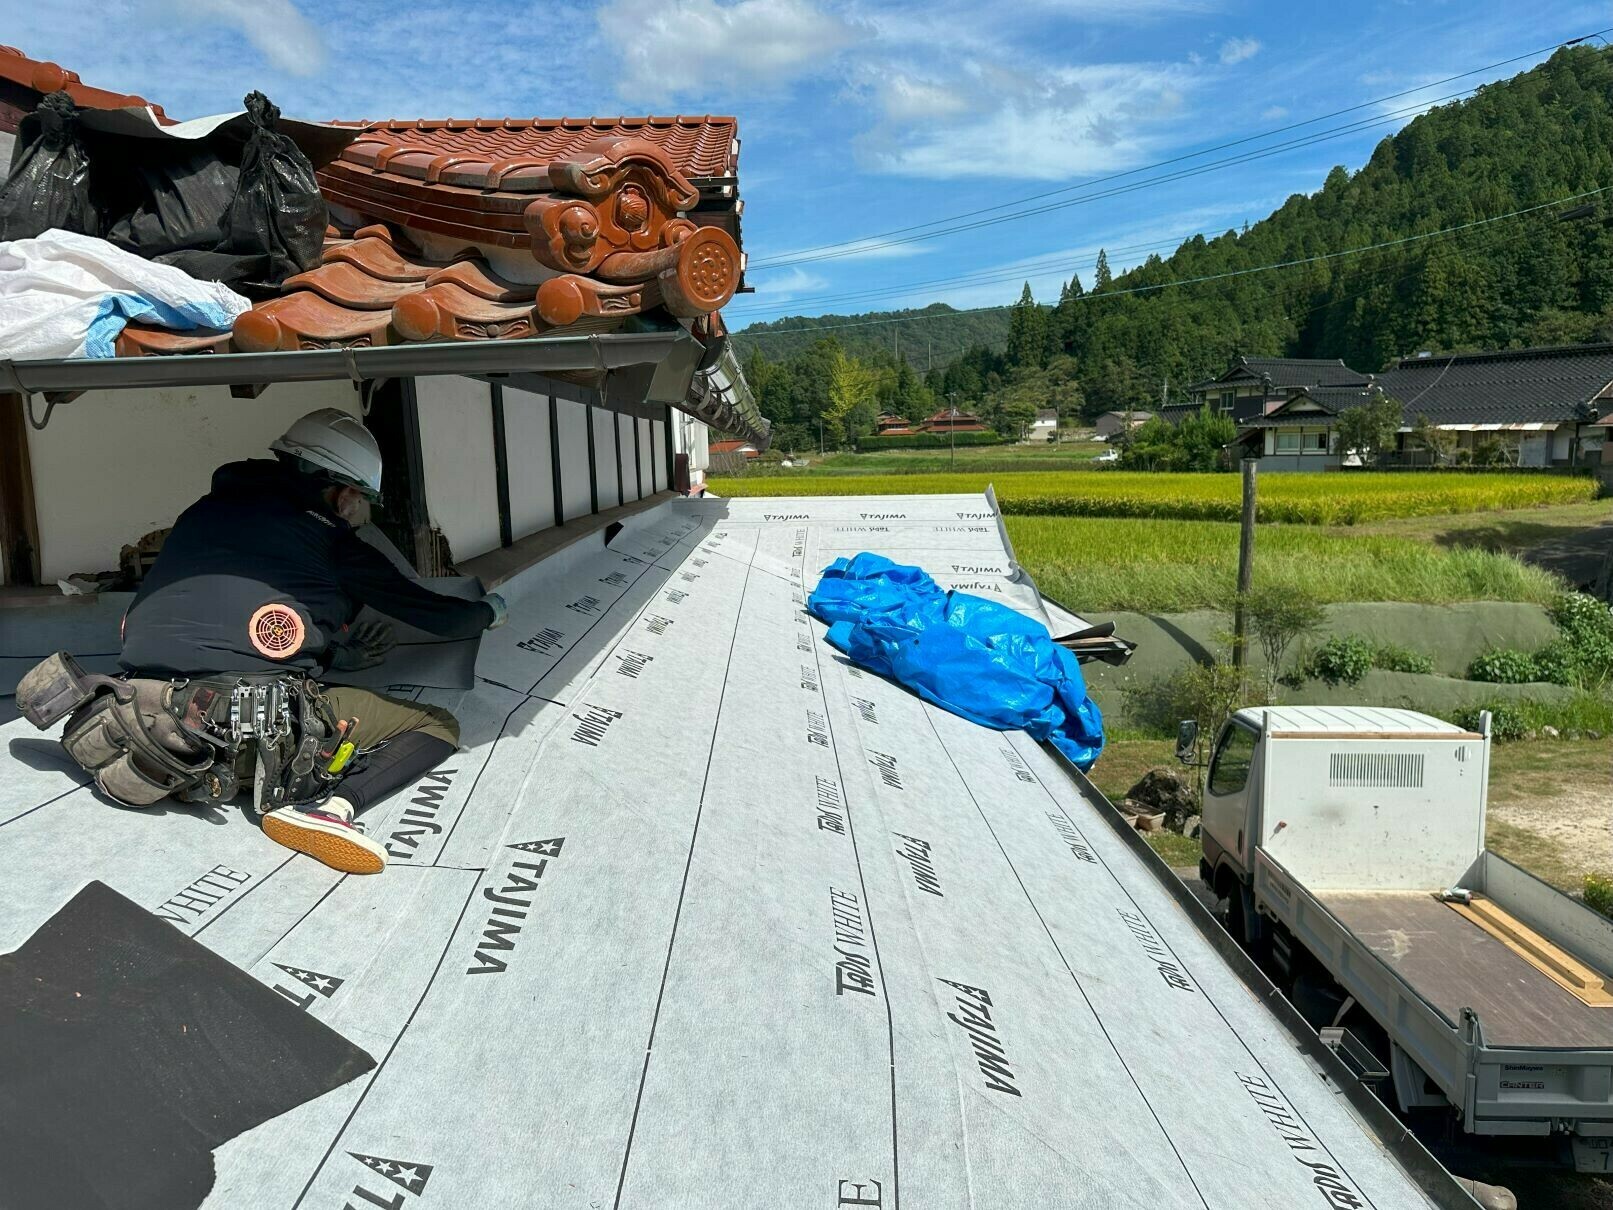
[512, 154]
[44, 77]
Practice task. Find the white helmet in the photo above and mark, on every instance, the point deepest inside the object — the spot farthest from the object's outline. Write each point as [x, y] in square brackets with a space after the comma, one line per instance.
[337, 444]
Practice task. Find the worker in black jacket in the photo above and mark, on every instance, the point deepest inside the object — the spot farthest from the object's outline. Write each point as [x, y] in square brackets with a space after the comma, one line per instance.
[266, 574]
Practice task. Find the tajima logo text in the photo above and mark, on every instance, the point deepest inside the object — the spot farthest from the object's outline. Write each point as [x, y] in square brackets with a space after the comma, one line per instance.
[322, 985]
[916, 853]
[975, 1019]
[786, 516]
[511, 900]
[1329, 1180]
[886, 764]
[1073, 840]
[853, 970]
[410, 1177]
[831, 811]
[544, 642]
[883, 516]
[593, 723]
[420, 816]
[1162, 958]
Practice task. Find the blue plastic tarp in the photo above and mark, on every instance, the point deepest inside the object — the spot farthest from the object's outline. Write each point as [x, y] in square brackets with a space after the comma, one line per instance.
[974, 657]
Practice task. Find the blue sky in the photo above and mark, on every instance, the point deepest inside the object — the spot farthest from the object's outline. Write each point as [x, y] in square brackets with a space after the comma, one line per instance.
[859, 119]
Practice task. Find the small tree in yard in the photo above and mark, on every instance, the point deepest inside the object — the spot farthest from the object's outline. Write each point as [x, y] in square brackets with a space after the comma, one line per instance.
[1440, 443]
[1276, 617]
[1369, 430]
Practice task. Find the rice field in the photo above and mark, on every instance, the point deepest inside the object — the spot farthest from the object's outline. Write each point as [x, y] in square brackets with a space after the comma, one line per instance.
[1158, 566]
[1299, 499]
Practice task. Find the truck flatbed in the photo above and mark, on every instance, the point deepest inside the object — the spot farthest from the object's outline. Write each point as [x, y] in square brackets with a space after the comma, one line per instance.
[1455, 964]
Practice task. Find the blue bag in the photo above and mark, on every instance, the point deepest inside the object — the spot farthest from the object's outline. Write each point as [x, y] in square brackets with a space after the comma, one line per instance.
[974, 657]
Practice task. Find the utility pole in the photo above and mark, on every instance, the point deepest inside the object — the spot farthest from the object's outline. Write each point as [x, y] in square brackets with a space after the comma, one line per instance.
[1246, 562]
[952, 416]
[820, 438]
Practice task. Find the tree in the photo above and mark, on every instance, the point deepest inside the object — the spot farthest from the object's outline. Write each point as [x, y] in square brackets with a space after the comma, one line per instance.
[1369, 430]
[851, 391]
[1027, 333]
[1101, 277]
[1277, 616]
[1440, 443]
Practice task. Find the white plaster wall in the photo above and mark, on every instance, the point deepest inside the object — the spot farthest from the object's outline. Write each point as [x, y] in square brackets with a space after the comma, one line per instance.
[646, 457]
[112, 466]
[456, 447]
[624, 437]
[605, 456]
[572, 421]
[658, 453]
[526, 437]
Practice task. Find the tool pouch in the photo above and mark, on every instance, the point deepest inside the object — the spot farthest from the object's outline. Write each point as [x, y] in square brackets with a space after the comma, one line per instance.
[135, 748]
[57, 686]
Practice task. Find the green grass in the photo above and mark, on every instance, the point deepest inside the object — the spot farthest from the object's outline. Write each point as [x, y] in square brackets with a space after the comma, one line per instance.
[1309, 499]
[1171, 566]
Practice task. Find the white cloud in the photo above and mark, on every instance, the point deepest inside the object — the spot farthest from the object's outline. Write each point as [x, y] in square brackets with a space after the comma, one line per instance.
[1010, 119]
[691, 48]
[287, 39]
[1236, 50]
[781, 287]
[1272, 112]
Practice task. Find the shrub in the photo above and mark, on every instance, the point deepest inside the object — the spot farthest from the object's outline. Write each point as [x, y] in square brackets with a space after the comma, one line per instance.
[1599, 893]
[1342, 660]
[1391, 657]
[1587, 638]
[1558, 663]
[1507, 720]
[1581, 716]
[1205, 693]
[1503, 666]
[1276, 617]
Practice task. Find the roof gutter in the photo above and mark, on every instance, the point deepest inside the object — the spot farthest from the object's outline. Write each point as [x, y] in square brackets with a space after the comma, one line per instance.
[591, 353]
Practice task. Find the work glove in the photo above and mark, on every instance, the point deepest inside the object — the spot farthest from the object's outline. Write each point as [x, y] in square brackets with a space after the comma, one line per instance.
[365, 647]
[501, 611]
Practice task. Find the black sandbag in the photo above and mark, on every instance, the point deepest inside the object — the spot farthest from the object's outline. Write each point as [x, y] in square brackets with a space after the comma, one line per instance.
[183, 195]
[277, 208]
[49, 182]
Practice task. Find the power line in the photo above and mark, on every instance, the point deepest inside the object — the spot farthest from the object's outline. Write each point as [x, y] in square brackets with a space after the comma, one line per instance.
[797, 256]
[1119, 191]
[1021, 270]
[1210, 277]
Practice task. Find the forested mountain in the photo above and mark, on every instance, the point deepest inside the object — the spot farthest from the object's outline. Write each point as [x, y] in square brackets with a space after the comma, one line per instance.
[935, 332]
[1541, 278]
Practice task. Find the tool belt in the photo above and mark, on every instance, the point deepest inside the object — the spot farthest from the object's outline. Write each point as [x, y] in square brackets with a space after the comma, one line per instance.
[144, 739]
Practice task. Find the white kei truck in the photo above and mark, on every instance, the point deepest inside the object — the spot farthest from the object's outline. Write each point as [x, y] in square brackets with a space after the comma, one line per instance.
[1478, 1000]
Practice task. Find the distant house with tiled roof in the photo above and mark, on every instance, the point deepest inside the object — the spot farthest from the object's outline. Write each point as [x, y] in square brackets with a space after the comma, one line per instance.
[951, 420]
[1112, 424]
[1548, 406]
[1250, 385]
[892, 424]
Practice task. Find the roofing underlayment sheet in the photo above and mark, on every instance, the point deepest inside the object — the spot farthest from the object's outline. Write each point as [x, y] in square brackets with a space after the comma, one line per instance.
[702, 915]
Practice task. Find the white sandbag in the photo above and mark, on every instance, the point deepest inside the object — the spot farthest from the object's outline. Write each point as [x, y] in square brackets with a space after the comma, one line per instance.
[69, 295]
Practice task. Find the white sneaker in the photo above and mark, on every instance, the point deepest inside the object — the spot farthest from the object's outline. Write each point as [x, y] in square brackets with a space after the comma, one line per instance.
[326, 833]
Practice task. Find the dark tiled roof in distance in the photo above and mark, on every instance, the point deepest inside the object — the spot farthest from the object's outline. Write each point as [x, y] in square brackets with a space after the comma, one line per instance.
[1507, 387]
[1300, 372]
